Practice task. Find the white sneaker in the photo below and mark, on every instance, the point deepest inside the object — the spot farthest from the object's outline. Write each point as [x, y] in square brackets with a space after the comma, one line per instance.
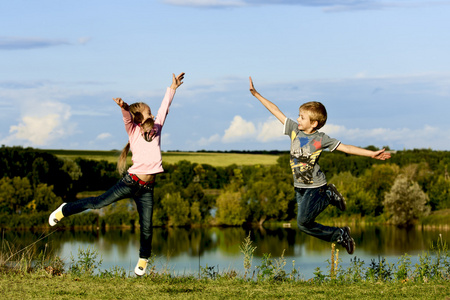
[141, 267]
[56, 215]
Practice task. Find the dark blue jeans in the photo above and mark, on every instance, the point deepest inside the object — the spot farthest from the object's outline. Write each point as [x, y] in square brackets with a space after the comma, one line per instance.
[124, 188]
[310, 203]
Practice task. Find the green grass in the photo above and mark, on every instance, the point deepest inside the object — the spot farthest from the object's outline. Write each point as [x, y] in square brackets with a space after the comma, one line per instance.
[110, 156]
[215, 159]
[220, 159]
[26, 286]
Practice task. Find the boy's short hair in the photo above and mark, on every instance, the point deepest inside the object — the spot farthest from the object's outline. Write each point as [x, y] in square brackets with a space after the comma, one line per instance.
[316, 112]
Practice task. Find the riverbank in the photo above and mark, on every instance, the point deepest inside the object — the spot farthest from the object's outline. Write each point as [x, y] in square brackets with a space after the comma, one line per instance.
[435, 220]
[93, 220]
[30, 273]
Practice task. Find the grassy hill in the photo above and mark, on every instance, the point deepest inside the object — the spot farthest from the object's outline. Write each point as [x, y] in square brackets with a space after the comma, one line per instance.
[216, 159]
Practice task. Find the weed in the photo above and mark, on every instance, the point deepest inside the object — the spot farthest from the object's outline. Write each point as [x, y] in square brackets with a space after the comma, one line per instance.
[434, 265]
[319, 277]
[354, 273]
[403, 271]
[52, 266]
[114, 272]
[271, 269]
[294, 272]
[265, 270]
[278, 267]
[379, 271]
[86, 263]
[247, 249]
[334, 263]
[209, 272]
[441, 263]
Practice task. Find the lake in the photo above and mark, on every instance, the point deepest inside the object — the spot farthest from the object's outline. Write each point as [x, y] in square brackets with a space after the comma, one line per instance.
[182, 251]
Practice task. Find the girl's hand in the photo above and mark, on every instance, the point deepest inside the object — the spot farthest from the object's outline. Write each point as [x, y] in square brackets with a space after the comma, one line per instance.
[177, 81]
[121, 103]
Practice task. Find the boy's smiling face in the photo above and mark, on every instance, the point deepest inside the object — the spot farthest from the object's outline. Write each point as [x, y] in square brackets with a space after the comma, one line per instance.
[304, 122]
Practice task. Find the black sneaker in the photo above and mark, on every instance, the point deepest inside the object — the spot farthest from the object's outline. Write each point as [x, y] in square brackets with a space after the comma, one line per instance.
[336, 198]
[346, 240]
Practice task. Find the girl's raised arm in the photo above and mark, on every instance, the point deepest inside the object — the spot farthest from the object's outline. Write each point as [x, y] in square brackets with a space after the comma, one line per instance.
[177, 81]
[121, 103]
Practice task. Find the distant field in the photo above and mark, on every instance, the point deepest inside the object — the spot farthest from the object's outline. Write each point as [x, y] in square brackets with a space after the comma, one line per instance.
[221, 159]
[215, 159]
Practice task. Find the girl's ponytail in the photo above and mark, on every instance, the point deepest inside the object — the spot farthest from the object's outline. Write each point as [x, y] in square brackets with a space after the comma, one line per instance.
[122, 163]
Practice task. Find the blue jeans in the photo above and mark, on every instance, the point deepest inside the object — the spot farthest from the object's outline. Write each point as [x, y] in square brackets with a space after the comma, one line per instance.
[310, 203]
[124, 188]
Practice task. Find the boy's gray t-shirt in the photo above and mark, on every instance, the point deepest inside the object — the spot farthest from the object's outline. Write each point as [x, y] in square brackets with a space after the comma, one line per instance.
[305, 153]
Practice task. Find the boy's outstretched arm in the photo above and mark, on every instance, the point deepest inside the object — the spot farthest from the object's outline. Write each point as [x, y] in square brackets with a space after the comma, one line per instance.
[269, 105]
[350, 149]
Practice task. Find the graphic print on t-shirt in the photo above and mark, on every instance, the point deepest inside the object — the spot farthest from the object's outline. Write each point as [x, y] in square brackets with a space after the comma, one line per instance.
[304, 155]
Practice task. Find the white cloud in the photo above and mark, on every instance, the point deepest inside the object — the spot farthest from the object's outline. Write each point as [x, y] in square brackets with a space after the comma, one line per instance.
[208, 141]
[104, 135]
[239, 130]
[40, 124]
[270, 130]
[84, 40]
[397, 138]
[333, 130]
[21, 43]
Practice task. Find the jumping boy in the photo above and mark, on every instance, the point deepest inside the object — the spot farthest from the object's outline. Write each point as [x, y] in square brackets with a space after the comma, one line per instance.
[312, 192]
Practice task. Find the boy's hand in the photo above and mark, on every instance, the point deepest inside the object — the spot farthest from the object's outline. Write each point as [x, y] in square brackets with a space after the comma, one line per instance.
[381, 155]
[252, 88]
[177, 81]
[121, 103]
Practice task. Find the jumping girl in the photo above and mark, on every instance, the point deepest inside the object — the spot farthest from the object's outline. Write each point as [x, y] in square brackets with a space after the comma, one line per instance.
[144, 132]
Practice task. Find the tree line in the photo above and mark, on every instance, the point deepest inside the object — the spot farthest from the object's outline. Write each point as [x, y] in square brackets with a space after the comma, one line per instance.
[411, 184]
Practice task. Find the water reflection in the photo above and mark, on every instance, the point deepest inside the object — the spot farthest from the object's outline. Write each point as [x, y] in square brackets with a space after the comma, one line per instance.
[182, 250]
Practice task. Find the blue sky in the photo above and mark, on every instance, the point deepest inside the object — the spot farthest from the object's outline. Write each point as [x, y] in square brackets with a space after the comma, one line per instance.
[381, 68]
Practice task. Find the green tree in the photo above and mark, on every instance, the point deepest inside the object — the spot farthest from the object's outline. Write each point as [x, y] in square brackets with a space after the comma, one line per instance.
[183, 173]
[15, 194]
[198, 201]
[71, 168]
[40, 171]
[230, 208]
[177, 209]
[439, 193]
[44, 198]
[359, 199]
[6, 191]
[195, 214]
[405, 202]
[378, 180]
[269, 199]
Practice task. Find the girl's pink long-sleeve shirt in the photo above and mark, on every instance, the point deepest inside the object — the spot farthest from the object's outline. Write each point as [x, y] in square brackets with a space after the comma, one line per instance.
[146, 156]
